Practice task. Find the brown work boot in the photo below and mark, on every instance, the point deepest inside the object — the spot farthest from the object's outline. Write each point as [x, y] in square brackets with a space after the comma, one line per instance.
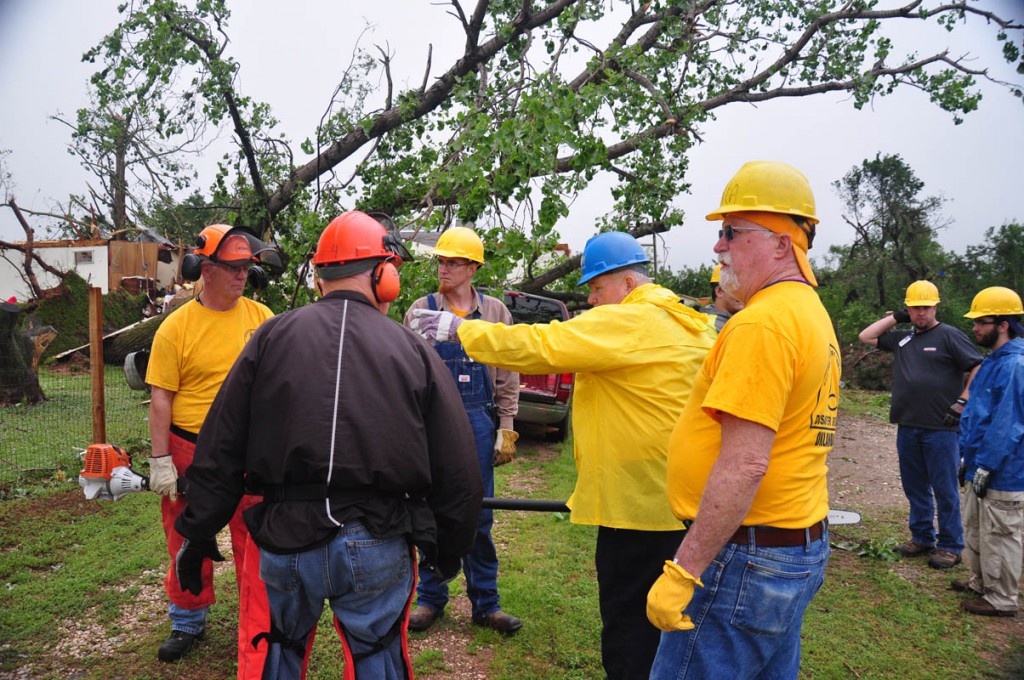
[422, 617]
[963, 585]
[943, 559]
[913, 549]
[981, 607]
[499, 621]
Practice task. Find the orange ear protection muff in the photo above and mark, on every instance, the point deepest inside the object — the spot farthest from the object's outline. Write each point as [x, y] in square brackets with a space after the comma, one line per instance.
[385, 281]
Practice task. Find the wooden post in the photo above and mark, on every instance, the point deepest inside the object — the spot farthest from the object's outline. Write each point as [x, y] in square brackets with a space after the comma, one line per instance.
[99, 412]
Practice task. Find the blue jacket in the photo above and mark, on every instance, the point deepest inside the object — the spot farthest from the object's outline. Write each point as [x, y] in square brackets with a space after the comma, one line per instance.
[992, 425]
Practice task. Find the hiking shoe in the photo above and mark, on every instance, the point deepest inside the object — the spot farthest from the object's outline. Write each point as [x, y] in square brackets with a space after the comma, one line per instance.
[499, 621]
[422, 617]
[981, 607]
[943, 559]
[962, 585]
[178, 645]
[913, 549]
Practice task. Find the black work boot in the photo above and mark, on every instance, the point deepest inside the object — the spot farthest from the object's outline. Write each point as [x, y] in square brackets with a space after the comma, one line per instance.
[178, 645]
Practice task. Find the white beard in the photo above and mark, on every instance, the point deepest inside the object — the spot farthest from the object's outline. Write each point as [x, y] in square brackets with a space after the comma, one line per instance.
[730, 283]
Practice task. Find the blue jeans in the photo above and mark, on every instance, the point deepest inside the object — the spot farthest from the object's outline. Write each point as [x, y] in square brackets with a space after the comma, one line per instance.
[928, 463]
[481, 564]
[368, 582]
[747, 616]
[191, 621]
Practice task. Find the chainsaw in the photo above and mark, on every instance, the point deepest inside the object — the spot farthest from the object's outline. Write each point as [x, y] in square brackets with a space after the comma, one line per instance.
[107, 473]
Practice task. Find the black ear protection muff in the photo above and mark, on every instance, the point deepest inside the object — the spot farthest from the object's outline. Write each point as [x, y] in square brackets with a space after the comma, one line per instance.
[192, 264]
[257, 277]
[385, 281]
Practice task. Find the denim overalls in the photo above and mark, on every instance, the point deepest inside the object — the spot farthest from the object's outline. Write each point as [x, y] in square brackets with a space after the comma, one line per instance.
[473, 380]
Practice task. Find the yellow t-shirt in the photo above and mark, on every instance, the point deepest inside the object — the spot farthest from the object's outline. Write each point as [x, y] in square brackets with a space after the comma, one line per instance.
[775, 363]
[194, 349]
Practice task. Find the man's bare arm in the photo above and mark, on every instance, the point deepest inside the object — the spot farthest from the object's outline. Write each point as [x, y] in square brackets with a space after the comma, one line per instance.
[734, 480]
[870, 335]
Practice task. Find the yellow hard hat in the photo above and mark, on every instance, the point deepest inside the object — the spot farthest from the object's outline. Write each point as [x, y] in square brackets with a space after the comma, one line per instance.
[767, 186]
[716, 273]
[995, 301]
[460, 242]
[922, 294]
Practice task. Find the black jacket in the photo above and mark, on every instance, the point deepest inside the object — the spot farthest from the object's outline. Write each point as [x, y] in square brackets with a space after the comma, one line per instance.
[337, 400]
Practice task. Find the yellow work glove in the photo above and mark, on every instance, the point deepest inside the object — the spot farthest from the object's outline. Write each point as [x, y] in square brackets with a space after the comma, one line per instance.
[505, 447]
[669, 596]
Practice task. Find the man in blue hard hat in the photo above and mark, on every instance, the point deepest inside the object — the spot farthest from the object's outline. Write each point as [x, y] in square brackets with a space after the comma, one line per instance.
[635, 355]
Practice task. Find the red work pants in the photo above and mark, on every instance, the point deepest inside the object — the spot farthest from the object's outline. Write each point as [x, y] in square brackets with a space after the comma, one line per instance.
[253, 610]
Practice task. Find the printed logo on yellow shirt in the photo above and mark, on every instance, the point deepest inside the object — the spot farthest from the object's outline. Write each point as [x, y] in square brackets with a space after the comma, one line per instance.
[826, 408]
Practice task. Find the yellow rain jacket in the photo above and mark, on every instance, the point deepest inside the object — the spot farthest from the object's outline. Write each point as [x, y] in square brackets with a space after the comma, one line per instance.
[635, 363]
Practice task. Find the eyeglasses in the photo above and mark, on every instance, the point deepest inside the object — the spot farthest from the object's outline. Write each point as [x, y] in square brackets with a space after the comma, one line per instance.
[729, 231]
[982, 322]
[451, 264]
[233, 268]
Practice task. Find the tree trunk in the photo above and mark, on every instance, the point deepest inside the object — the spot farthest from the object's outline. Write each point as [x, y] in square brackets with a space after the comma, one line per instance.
[136, 338]
[18, 382]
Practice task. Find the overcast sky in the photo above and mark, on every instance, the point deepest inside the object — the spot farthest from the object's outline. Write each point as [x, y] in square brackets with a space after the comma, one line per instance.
[291, 56]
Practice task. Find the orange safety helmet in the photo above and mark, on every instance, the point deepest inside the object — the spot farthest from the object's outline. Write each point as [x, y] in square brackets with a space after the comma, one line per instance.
[234, 247]
[354, 242]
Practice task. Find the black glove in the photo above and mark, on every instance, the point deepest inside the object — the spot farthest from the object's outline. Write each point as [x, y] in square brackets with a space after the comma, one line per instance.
[188, 565]
[961, 473]
[901, 316]
[980, 483]
[953, 413]
[446, 569]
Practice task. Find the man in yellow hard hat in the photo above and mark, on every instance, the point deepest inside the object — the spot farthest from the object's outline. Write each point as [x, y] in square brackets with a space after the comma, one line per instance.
[747, 458]
[491, 398]
[929, 391]
[992, 445]
[723, 304]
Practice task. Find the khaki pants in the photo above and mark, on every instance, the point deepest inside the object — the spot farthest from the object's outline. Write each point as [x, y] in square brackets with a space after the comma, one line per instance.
[994, 534]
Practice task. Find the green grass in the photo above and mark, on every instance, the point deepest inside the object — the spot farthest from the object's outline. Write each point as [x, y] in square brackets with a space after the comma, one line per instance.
[65, 562]
[865, 403]
[42, 442]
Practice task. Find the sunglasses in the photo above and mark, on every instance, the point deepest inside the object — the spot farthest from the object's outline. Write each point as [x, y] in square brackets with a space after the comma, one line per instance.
[729, 231]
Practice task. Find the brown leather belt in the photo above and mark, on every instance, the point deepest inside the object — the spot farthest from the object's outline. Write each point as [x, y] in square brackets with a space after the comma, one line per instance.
[770, 537]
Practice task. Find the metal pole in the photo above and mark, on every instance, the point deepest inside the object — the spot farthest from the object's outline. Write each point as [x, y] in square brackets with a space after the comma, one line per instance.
[533, 504]
[99, 414]
[835, 517]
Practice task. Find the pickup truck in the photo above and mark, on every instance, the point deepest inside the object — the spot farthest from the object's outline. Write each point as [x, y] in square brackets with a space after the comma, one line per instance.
[544, 400]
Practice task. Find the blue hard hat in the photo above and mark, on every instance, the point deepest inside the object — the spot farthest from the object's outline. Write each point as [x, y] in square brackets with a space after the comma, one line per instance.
[610, 251]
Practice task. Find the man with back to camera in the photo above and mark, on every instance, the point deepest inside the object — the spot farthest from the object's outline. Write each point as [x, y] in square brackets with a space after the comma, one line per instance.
[992, 444]
[635, 355]
[723, 305]
[747, 458]
[192, 352]
[491, 398]
[352, 429]
[928, 395]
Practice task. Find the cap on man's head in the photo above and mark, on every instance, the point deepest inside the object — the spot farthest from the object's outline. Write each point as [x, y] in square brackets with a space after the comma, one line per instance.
[778, 197]
[922, 294]
[234, 250]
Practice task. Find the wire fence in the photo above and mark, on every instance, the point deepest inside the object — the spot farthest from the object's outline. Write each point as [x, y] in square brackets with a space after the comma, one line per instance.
[45, 440]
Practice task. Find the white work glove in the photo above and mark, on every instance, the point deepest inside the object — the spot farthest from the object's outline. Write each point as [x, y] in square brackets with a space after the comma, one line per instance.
[435, 326]
[163, 476]
[505, 447]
